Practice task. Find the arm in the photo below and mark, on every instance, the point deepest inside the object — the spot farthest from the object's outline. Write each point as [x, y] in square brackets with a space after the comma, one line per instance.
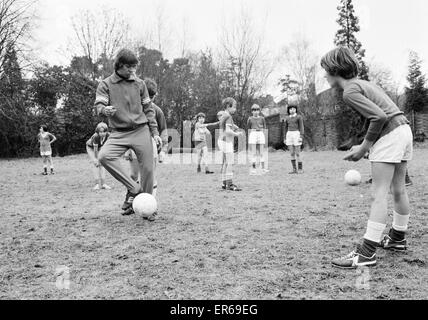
[285, 126]
[53, 138]
[368, 110]
[212, 124]
[249, 124]
[102, 98]
[149, 111]
[301, 126]
[264, 123]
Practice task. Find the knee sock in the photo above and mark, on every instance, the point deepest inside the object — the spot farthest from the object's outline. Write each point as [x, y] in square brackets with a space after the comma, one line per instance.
[293, 163]
[399, 226]
[372, 238]
[300, 165]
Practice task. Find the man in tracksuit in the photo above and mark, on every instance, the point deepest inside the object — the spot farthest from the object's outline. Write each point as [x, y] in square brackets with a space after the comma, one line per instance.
[124, 99]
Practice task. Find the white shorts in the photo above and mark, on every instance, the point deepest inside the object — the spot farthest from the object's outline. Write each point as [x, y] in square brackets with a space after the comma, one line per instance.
[293, 138]
[256, 137]
[45, 153]
[225, 147]
[395, 147]
[155, 149]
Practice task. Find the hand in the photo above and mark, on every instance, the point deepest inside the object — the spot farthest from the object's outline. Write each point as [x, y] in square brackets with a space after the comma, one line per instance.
[356, 153]
[158, 141]
[109, 111]
[161, 156]
[96, 163]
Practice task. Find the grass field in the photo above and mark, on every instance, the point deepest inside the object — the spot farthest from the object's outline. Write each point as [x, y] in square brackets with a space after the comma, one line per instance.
[274, 240]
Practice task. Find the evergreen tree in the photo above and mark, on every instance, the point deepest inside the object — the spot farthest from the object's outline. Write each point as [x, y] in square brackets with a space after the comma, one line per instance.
[345, 36]
[416, 92]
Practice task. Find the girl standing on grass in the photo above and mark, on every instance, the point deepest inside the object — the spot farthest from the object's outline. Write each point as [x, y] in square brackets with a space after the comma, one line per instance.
[45, 139]
[256, 124]
[93, 146]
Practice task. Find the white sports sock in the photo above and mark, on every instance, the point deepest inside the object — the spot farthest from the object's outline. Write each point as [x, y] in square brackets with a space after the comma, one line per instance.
[374, 231]
[399, 222]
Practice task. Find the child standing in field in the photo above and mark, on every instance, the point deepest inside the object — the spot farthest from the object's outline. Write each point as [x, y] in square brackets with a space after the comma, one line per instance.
[93, 146]
[158, 151]
[390, 142]
[226, 143]
[200, 138]
[294, 137]
[256, 124]
[45, 139]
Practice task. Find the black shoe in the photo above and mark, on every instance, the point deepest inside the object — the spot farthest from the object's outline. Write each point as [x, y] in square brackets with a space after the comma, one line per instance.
[388, 244]
[129, 198]
[44, 173]
[369, 181]
[293, 172]
[208, 172]
[128, 211]
[408, 182]
[199, 170]
[233, 187]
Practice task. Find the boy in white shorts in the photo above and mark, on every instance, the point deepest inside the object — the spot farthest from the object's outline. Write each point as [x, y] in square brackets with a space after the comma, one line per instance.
[294, 137]
[226, 143]
[389, 140]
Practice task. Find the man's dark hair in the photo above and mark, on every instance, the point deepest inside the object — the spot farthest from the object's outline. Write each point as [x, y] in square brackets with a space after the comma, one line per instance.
[125, 57]
[152, 87]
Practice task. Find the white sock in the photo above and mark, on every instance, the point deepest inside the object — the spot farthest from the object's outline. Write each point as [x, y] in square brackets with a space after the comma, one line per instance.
[374, 231]
[399, 222]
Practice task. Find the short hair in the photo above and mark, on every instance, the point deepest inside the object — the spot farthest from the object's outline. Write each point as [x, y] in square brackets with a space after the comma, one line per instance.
[200, 115]
[44, 127]
[152, 87]
[255, 106]
[101, 125]
[341, 62]
[228, 102]
[123, 57]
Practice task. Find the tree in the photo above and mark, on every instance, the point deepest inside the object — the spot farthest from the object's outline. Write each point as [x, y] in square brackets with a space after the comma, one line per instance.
[349, 122]
[345, 36]
[98, 36]
[15, 27]
[243, 69]
[383, 77]
[416, 92]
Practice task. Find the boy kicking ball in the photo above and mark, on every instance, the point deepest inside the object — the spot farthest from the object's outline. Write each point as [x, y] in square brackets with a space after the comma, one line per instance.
[390, 142]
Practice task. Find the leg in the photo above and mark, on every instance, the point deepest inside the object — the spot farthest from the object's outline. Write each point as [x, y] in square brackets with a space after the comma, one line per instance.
[134, 167]
[365, 254]
[299, 159]
[143, 147]
[110, 155]
[199, 152]
[155, 179]
[293, 158]
[205, 161]
[253, 152]
[396, 237]
[45, 165]
[51, 164]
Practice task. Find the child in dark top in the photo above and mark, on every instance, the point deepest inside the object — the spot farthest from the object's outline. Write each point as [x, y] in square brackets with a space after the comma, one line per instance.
[256, 125]
[389, 141]
[294, 130]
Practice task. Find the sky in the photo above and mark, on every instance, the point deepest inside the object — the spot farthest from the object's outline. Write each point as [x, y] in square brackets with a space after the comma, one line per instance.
[389, 28]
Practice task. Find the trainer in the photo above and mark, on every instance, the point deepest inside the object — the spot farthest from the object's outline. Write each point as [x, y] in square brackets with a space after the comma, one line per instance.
[124, 99]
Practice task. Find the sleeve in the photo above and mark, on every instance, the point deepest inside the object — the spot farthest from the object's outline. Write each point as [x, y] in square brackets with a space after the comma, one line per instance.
[264, 123]
[102, 98]
[149, 111]
[249, 124]
[301, 126]
[285, 126]
[355, 99]
[90, 142]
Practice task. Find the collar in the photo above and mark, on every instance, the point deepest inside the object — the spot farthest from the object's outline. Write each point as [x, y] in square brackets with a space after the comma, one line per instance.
[292, 116]
[115, 78]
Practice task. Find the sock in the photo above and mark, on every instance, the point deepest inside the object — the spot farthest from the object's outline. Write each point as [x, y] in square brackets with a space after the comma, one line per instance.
[155, 189]
[367, 248]
[45, 169]
[229, 182]
[225, 182]
[399, 222]
[254, 165]
[374, 231]
[293, 163]
[300, 165]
